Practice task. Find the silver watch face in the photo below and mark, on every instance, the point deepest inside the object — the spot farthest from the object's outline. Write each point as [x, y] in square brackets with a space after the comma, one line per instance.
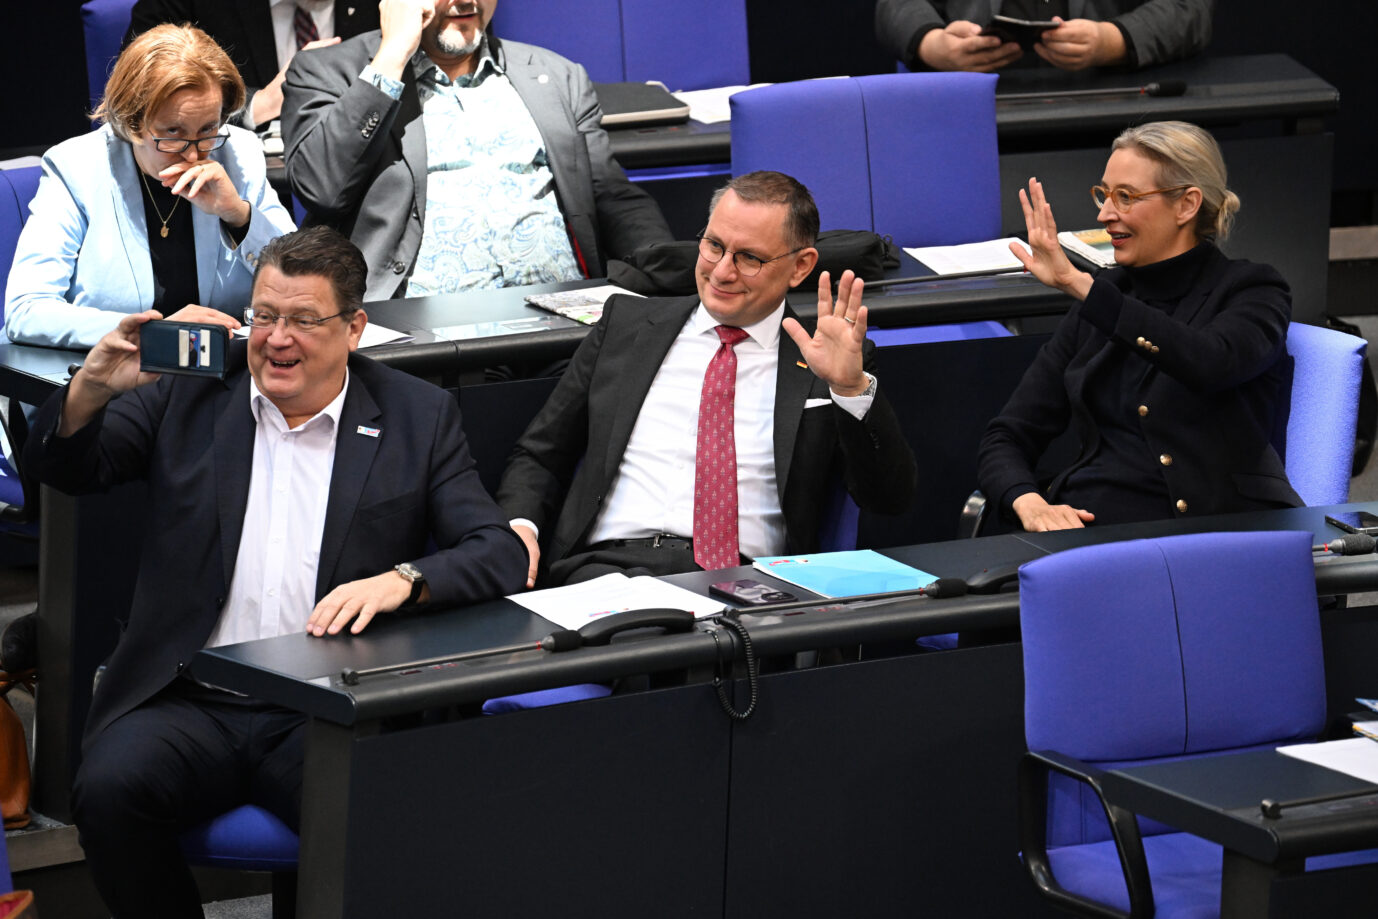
[410, 572]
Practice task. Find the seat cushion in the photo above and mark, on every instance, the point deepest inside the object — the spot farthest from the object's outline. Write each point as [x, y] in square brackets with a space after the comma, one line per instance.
[1185, 872]
[544, 697]
[247, 838]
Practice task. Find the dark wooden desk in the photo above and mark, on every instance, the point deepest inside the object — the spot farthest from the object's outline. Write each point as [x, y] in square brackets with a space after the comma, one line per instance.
[880, 780]
[1218, 798]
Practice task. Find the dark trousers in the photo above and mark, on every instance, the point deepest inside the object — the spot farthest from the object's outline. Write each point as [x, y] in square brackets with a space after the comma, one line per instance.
[186, 755]
[632, 561]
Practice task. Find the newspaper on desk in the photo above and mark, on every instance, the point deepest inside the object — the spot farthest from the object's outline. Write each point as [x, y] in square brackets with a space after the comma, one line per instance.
[577, 605]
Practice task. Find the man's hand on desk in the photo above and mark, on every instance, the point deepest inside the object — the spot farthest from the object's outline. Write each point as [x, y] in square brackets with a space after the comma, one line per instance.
[1038, 516]
[360, 601]
[1077, 44]
[111, 367]
[533, 551]
[961, 46]
[833, 352]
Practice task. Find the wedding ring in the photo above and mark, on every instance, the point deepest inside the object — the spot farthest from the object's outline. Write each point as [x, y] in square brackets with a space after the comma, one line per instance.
[849, 320]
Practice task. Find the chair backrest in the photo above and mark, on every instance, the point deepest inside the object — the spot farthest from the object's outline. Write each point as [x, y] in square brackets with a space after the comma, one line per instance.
[913, 156]
[1168, 647]
[17, 187]
[6, 883]
[1319, 450]
[103, 22]
[638, 40]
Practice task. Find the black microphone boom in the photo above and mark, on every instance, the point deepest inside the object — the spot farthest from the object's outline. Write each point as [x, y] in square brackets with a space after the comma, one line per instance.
[1160, 88]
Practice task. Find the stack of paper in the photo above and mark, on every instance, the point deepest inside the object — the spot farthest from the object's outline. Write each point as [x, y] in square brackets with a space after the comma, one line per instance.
[579, 604]
[992, 255]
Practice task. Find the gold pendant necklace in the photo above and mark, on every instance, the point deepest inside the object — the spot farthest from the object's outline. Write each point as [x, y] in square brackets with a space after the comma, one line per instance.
[163, 231]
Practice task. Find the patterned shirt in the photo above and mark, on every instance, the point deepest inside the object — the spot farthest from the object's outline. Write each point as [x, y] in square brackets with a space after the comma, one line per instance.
[492, 219]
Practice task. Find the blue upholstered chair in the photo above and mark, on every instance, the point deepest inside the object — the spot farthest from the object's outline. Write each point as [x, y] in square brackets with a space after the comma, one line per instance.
[1216, 648]
[910, 156]
[104, 23]
[638, 40]
[249, 838]
[1319, 447]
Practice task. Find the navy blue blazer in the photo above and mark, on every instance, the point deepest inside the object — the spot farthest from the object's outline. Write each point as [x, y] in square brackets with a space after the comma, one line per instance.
[192, 439]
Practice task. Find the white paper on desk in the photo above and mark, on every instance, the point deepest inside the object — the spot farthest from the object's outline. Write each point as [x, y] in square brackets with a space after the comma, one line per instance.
[579, 604]
[1357, 756]
[374, 334]
[710, 106]
[983, 256]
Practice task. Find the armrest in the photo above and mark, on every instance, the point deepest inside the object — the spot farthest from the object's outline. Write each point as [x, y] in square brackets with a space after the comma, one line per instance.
[973, 515]
[1034, 769]
[14, 427]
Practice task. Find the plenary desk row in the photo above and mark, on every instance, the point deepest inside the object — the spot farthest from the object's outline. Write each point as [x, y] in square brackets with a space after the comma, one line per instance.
[880, 786]
[86, 573]
[1267, 110]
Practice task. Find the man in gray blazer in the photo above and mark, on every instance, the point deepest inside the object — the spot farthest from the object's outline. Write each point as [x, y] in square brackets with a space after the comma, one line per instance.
[455, 160]
[946, 34]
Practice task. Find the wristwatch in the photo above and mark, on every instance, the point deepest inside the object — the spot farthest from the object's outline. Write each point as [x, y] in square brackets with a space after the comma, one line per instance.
[413, 574]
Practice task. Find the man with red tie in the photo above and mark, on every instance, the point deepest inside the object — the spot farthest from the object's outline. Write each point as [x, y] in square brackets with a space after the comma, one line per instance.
[693, 432]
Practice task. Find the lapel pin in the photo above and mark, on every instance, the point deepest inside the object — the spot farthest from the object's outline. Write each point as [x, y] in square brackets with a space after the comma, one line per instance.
[369, 432]
[801, 364]
[543, 79]
[349, 11]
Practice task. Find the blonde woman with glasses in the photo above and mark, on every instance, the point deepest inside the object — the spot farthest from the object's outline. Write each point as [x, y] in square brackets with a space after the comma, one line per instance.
[164, 207]
[1170, 367]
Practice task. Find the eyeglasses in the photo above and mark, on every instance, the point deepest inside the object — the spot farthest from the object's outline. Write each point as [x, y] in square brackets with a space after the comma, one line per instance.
[1123, 198]
[178, 145]
[262, 319]
[747, 264]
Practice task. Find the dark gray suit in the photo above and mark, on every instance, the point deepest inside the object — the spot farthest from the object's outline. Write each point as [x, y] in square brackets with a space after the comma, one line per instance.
[587, 421]
[357, 159]
[1156, 30]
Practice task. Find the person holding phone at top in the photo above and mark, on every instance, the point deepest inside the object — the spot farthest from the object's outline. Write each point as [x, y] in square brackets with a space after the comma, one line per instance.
[1169, 368]
[164, 207]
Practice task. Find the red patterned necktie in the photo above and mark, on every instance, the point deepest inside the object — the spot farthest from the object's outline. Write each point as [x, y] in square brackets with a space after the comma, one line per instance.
[305, 27]
[715, 463]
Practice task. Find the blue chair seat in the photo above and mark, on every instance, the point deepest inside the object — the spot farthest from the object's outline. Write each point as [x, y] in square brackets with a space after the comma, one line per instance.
[247, 838]
[1185, 870]
[542, 698]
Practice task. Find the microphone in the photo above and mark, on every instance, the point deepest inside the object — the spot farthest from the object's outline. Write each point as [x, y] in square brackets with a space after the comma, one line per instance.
[943, 588]
[1158, 88]
[1353, 544]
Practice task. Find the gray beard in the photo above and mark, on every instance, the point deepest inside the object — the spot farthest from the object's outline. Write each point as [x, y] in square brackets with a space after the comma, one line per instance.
[454, 47]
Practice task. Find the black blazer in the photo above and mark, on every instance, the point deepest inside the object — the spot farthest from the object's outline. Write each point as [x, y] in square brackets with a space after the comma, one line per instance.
[590, 415]
[244, 28]
[193, 440]
[1214, 374]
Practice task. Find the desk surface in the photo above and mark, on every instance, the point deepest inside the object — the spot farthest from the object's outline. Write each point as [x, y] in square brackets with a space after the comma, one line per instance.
[1220, 90]
[1218, 798]
[304, 673]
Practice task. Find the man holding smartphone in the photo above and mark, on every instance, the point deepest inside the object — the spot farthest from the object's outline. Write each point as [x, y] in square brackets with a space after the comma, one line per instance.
[310, 490]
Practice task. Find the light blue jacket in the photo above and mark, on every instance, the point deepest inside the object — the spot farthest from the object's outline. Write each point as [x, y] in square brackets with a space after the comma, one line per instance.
[82, 261]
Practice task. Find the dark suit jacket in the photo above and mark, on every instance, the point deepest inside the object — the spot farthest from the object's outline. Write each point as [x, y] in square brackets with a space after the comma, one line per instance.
[193, 440]
[590, 415]
[357, 159]
[244, 28]
[1214, 373]
[1156, 31]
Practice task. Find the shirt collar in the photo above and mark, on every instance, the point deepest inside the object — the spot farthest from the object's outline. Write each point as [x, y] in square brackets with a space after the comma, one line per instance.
[766, 332]
[488, 66]
[263, 407]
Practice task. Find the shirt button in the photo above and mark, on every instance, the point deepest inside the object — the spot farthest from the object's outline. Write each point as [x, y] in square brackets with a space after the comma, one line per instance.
[1143, 410]
[272, 591]
[1181, 506]
[1165, 459]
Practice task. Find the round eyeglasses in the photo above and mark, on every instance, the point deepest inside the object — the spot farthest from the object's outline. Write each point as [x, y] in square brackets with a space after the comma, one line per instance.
[1123, 198]
[748, 265]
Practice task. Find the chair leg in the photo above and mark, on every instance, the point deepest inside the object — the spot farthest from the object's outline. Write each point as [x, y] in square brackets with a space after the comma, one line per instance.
[284, 895]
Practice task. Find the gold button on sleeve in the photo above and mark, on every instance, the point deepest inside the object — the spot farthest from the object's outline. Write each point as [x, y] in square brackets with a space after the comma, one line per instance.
[1165, 459]
[1143, 410]
[1181, 506]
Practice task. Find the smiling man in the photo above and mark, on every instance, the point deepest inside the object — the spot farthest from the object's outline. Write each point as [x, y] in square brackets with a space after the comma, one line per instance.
[458, 161]
[309, 491]
[692, 432]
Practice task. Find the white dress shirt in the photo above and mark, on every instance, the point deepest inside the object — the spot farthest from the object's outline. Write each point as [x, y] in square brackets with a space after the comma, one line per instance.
[654, 488]
[273, 589]
[285, 33]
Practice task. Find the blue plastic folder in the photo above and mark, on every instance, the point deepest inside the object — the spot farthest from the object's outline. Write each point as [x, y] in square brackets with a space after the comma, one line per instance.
[845, 574]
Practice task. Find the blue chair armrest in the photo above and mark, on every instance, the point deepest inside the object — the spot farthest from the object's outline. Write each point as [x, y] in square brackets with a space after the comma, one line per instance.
[1034, 769]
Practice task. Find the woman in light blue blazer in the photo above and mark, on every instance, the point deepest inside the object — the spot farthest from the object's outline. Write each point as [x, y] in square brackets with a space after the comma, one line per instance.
[165, 207]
